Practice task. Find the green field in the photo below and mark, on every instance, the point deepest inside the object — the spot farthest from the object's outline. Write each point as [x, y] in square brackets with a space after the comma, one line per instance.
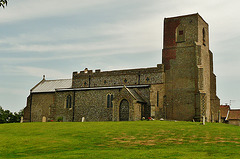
[141, 139]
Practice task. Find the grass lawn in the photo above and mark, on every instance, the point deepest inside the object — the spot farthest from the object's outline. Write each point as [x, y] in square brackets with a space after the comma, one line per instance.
[140, 139]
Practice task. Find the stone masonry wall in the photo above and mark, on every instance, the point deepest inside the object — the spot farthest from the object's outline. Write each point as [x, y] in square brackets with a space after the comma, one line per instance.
[205, 64]
[27, 111]
[157, 93]
[92, 104]
[60, 107]
[187, 71]
[215, 101]
[41, 103]
[116, 78]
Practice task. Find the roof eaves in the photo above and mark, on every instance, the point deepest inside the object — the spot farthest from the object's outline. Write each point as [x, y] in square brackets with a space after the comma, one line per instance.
[100, 88]
[39, 92]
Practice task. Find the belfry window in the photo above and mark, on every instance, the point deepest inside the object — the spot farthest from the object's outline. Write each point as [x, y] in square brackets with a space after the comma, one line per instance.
[109, 100]
[204, 37]
[180, 34]
[69, 102]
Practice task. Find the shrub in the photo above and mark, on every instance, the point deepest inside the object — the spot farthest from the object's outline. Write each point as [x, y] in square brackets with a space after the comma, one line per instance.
[60, 119]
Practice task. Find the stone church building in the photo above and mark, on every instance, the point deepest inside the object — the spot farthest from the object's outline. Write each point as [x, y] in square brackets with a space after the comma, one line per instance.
[183, 87]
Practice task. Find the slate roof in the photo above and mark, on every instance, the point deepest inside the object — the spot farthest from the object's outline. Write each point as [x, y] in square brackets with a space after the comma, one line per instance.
[51, 85]
[224, 110]
[234, 114]
[135, 95]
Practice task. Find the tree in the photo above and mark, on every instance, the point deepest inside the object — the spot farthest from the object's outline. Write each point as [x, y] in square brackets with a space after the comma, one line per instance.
[17, 116]
[2, 115]
[3, 3]
[8, 117]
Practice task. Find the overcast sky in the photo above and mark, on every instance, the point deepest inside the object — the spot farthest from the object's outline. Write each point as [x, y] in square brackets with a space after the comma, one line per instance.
[55, 39]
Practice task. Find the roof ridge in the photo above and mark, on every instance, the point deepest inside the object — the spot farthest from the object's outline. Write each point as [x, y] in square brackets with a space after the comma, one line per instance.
[130, 92]
[42, 81]
[52, 85]
[58, 79]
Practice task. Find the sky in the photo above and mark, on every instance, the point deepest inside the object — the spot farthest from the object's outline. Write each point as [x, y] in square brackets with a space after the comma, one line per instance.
[56, 38]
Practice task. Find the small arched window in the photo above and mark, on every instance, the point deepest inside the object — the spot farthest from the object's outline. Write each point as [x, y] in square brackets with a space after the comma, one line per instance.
[204, 37]
[69, 102]
[109, 100]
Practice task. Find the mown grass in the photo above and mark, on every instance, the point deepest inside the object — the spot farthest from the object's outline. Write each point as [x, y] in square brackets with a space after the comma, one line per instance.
[141, 139]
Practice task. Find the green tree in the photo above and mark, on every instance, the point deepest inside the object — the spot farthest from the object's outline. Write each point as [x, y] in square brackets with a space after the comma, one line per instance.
[8, 117]
[2, 115]
[3, 3]
[17, 116]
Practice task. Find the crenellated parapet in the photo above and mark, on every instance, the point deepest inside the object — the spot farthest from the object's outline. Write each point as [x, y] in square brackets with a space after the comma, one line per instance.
[88, 78]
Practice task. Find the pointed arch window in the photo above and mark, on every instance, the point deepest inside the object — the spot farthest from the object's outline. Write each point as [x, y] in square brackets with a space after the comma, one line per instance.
[69, 102]
[109, 100]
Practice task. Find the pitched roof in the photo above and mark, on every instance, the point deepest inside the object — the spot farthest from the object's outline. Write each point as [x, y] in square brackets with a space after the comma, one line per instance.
[51, 85]
[135, 95]
[234, 114]
[224, 110]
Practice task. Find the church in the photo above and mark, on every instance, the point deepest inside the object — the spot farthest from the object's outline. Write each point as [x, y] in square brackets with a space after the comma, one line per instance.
[182, 88]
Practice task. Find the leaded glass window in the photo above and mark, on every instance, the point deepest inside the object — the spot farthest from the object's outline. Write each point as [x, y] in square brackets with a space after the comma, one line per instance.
[109, 100]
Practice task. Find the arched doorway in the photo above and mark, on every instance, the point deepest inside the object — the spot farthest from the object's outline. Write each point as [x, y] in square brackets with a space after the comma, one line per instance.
[124, 110]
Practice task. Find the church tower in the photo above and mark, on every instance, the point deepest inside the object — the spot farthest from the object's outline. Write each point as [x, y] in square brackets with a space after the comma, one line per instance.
[188, 69]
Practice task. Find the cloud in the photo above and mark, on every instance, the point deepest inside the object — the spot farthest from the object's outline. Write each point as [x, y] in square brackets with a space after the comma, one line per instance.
[28, 9]
[8, 94]
[121, 37]
[37, 72]
[12, 91]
